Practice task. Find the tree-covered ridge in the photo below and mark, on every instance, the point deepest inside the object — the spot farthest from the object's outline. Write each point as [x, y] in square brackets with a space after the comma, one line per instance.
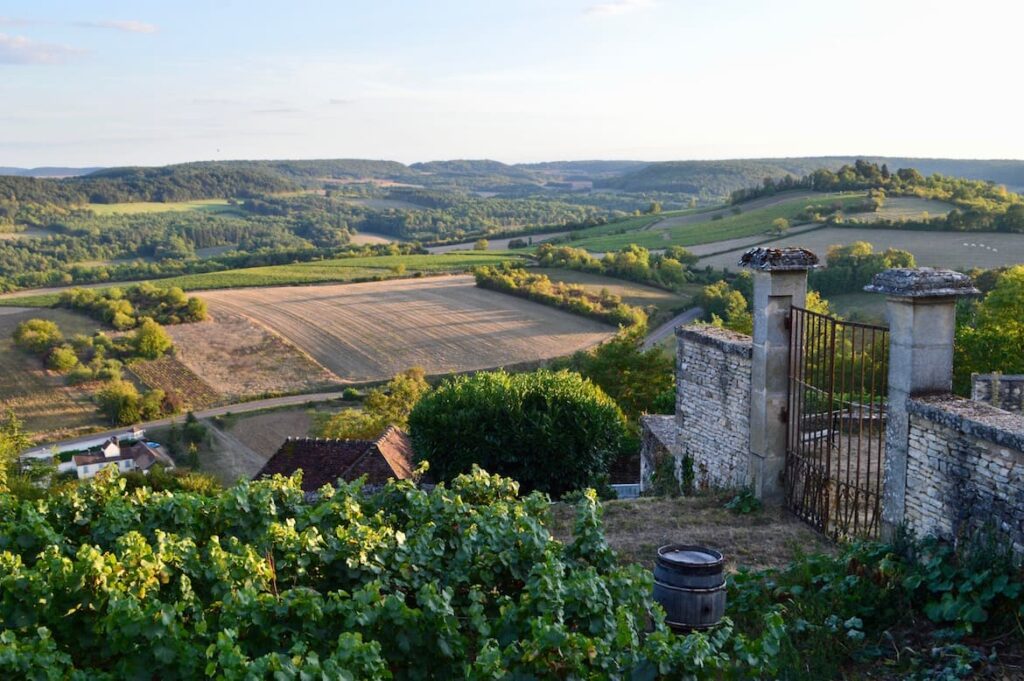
[166, 183]
[980, 205]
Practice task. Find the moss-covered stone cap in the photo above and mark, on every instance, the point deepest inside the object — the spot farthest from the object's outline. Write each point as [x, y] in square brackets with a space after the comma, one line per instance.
[922, 282]
[779, 259]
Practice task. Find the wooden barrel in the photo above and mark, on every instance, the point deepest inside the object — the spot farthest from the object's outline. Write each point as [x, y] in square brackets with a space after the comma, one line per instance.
[689, 583]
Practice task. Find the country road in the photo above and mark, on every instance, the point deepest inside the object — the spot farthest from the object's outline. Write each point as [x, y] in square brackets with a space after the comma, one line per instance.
[239, 408]
[668, 327]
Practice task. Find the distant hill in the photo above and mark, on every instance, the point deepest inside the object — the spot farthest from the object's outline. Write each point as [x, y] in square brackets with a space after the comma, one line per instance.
[47, 171]
[584, 170]
[706, 180]
[717, 179]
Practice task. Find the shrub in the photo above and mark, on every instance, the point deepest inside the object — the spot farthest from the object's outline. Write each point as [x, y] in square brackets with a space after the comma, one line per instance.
[120, 402]
[62, 359]
[386, 406]
[37, 335]
[554, 432]
[151, 340]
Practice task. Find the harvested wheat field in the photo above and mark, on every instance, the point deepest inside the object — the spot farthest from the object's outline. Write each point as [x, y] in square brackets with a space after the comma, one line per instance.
[239, 358]
[371, 331]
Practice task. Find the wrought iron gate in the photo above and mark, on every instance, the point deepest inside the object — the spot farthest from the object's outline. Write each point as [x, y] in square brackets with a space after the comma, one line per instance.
[838, 378]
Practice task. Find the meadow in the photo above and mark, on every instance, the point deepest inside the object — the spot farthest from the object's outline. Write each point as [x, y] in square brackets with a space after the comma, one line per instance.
[957, 250]
[746, 223]
[371, 331]
[137, 207]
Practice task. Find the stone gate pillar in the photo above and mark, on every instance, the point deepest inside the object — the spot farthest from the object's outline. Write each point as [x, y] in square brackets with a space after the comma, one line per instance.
[921, 306]
[780, 282]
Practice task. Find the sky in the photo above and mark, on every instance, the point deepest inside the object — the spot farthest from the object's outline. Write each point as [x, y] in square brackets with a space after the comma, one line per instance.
[105, 83]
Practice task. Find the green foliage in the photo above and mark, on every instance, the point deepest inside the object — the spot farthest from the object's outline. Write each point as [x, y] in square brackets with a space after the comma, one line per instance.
[603, 306]
[725, 306]
[990, 334]
[37, 336]
[151, 341]
[669, 269]
[638, 380]
[744, 503]
[120, 402]
[383, 407]
[13, 441]
[872, 602]
[850, 267]
[127, 308]
[552, 431]
[103, 582]
[665, 479]
[62, 359]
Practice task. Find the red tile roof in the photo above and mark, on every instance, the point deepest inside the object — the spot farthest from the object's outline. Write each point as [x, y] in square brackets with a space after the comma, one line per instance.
[325, 461]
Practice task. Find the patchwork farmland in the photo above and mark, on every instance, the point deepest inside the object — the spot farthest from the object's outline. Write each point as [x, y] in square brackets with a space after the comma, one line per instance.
[371, 331]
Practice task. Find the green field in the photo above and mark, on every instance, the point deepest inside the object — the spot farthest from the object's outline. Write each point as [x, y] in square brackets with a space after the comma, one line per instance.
[750, 223]
[339, 270]
[136, 207]
[958, 250]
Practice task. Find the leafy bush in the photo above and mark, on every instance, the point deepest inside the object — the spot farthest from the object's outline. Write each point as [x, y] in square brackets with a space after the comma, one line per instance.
[462, 582]
[552, 431]
[151, 340]
[37, 336]
[383, 407]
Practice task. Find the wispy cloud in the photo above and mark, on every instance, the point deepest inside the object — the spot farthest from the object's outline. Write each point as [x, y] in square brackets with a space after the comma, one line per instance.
[16, 49]
[618, 7]
[129, 26]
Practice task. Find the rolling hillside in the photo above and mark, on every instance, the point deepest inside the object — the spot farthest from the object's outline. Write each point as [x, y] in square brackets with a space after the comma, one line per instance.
[716, 179]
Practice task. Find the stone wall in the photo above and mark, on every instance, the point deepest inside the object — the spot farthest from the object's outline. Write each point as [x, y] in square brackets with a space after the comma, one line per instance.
[657, 450]
[713, 404]
[965, 468]
[1005, 391]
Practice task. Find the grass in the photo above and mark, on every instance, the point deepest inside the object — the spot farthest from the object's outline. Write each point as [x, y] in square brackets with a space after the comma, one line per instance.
[905, 207]
[339, 270]
[957, 250]
[748, 223]
[137, 207]
[635, 528]
[665, 304]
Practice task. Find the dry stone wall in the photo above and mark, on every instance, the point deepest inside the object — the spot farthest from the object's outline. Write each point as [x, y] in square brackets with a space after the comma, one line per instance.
[1005, 391]
[965, 469]
[713, 404]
